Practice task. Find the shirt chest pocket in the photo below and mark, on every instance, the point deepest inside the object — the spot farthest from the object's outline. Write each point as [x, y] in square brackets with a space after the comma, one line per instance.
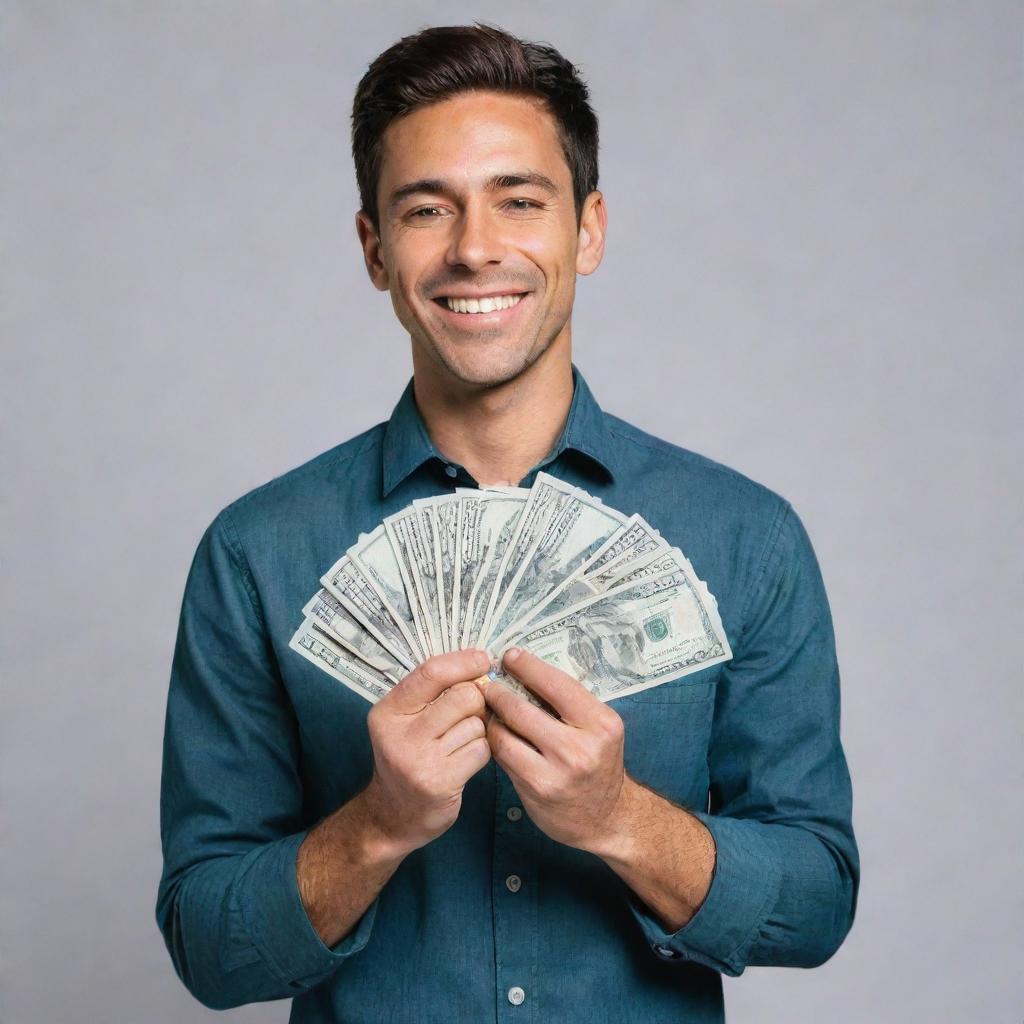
[692, 688]
[667, 733]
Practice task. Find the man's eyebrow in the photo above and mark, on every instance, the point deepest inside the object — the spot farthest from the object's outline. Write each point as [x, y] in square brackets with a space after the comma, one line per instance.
[434, 186]
[440, 187]
[535, 178]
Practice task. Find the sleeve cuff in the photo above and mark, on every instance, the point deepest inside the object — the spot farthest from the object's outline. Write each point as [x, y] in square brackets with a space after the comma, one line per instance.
[744, 888]
[277, 923]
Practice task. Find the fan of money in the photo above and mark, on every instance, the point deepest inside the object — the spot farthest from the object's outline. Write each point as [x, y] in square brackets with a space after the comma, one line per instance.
[550, 568]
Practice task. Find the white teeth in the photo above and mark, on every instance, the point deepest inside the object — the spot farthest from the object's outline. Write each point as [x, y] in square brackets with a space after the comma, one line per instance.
[488, 305]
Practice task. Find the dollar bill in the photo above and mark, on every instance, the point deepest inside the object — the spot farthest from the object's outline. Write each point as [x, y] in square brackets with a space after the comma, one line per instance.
[443, 513]
[497, 524]
[340, 663]
[546, 499]
[634, 543]
[424, 566]
[636, 635]
[375, 555]
[466, 558]
[579, 526]
[637, 539]
[331, 615]
[405, 530]
[351, 586]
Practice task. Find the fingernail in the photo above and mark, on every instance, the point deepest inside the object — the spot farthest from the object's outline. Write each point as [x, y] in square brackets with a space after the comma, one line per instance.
[512, 654]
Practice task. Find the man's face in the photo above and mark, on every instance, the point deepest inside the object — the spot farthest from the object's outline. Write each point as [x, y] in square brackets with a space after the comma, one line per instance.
[476, 206]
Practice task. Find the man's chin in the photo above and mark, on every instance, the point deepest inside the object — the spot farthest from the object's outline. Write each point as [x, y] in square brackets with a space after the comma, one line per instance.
[483, 374]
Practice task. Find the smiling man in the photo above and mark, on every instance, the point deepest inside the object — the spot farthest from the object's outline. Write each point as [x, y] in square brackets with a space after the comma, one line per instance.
[454, 852]
[479, 232]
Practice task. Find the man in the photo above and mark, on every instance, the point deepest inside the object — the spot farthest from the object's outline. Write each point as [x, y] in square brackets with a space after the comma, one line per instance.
[455, 853]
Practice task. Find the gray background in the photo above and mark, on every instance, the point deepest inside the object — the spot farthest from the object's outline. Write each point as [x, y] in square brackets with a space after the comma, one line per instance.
[813, 274]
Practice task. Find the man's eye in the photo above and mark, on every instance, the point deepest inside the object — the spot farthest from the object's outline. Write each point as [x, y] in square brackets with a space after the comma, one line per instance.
[426, 211]
[522, 204]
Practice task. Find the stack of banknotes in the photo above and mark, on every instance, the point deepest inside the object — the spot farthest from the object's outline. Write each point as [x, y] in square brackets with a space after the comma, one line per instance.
[552, 569]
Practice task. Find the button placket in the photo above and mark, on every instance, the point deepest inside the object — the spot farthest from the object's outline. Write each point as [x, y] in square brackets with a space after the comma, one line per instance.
[514, 905]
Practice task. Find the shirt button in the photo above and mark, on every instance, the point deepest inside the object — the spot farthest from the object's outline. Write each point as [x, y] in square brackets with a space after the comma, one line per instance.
[664, 951]
[514, 813]
[516, 995]
[451, 471]
[513, 883]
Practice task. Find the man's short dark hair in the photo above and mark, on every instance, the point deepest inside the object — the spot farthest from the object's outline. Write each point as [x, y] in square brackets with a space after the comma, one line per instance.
[438, 63]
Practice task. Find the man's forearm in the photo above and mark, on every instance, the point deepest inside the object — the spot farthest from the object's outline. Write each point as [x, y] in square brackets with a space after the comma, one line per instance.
[341, 867]
[665, 855]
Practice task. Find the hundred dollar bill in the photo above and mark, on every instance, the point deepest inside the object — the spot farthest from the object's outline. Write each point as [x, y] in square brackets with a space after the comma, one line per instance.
[338, 662]
[444, 513]
[446, 536]
[331, 615]
[427, 579]
[636, 635]
[547, 497]
[638, 539]
[635, 543]
[348, 582]
[580, 527]
[375, 555]
[469, 549]
[485, 551]
[406, 531]
[466, 557]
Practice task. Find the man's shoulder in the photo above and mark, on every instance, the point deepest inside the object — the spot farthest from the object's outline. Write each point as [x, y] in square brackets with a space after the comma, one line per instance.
[730, 526]
[326, 477]
[681, 467]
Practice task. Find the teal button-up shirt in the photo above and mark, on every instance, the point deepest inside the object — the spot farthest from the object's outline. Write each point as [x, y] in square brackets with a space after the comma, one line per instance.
[260, 746]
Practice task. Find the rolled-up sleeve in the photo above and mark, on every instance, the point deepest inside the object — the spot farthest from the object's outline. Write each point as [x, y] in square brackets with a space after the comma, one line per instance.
[787, 872]
[231, 801]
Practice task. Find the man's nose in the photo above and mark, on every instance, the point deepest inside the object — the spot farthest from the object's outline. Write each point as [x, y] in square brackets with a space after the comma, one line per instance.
[477, 239]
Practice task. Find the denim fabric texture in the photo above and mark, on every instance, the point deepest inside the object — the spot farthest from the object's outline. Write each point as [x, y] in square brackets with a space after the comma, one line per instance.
[260, 745]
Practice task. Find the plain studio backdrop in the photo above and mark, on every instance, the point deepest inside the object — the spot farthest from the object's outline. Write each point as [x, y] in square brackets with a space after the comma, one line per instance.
[813, 274]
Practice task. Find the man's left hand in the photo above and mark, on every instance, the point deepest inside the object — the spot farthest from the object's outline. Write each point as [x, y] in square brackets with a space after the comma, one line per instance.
[569, 773]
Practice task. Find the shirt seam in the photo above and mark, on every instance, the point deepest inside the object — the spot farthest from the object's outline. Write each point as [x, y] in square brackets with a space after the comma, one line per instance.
[733, 958]
[267, 954]
[327, 460]
[238, 556]
[757, 577]
[671, 451]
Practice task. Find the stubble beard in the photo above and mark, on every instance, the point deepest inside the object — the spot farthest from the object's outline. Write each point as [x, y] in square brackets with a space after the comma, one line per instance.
[493, 373]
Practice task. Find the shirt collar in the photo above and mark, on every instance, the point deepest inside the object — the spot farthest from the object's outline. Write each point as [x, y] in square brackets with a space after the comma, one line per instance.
[407, 445]
[586, 429]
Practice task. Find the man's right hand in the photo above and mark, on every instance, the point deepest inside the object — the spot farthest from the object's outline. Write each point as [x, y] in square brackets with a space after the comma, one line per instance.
[429, 738]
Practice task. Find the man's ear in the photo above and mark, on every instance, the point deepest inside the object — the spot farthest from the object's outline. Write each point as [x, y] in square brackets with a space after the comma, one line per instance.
[369, 239]
[593, 224]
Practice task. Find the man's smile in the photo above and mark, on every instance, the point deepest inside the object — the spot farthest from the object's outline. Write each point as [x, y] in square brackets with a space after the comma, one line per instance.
[482, 310]
[482, 303]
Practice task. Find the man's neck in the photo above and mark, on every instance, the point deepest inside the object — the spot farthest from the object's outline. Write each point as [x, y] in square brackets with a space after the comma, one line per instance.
[499, 434]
